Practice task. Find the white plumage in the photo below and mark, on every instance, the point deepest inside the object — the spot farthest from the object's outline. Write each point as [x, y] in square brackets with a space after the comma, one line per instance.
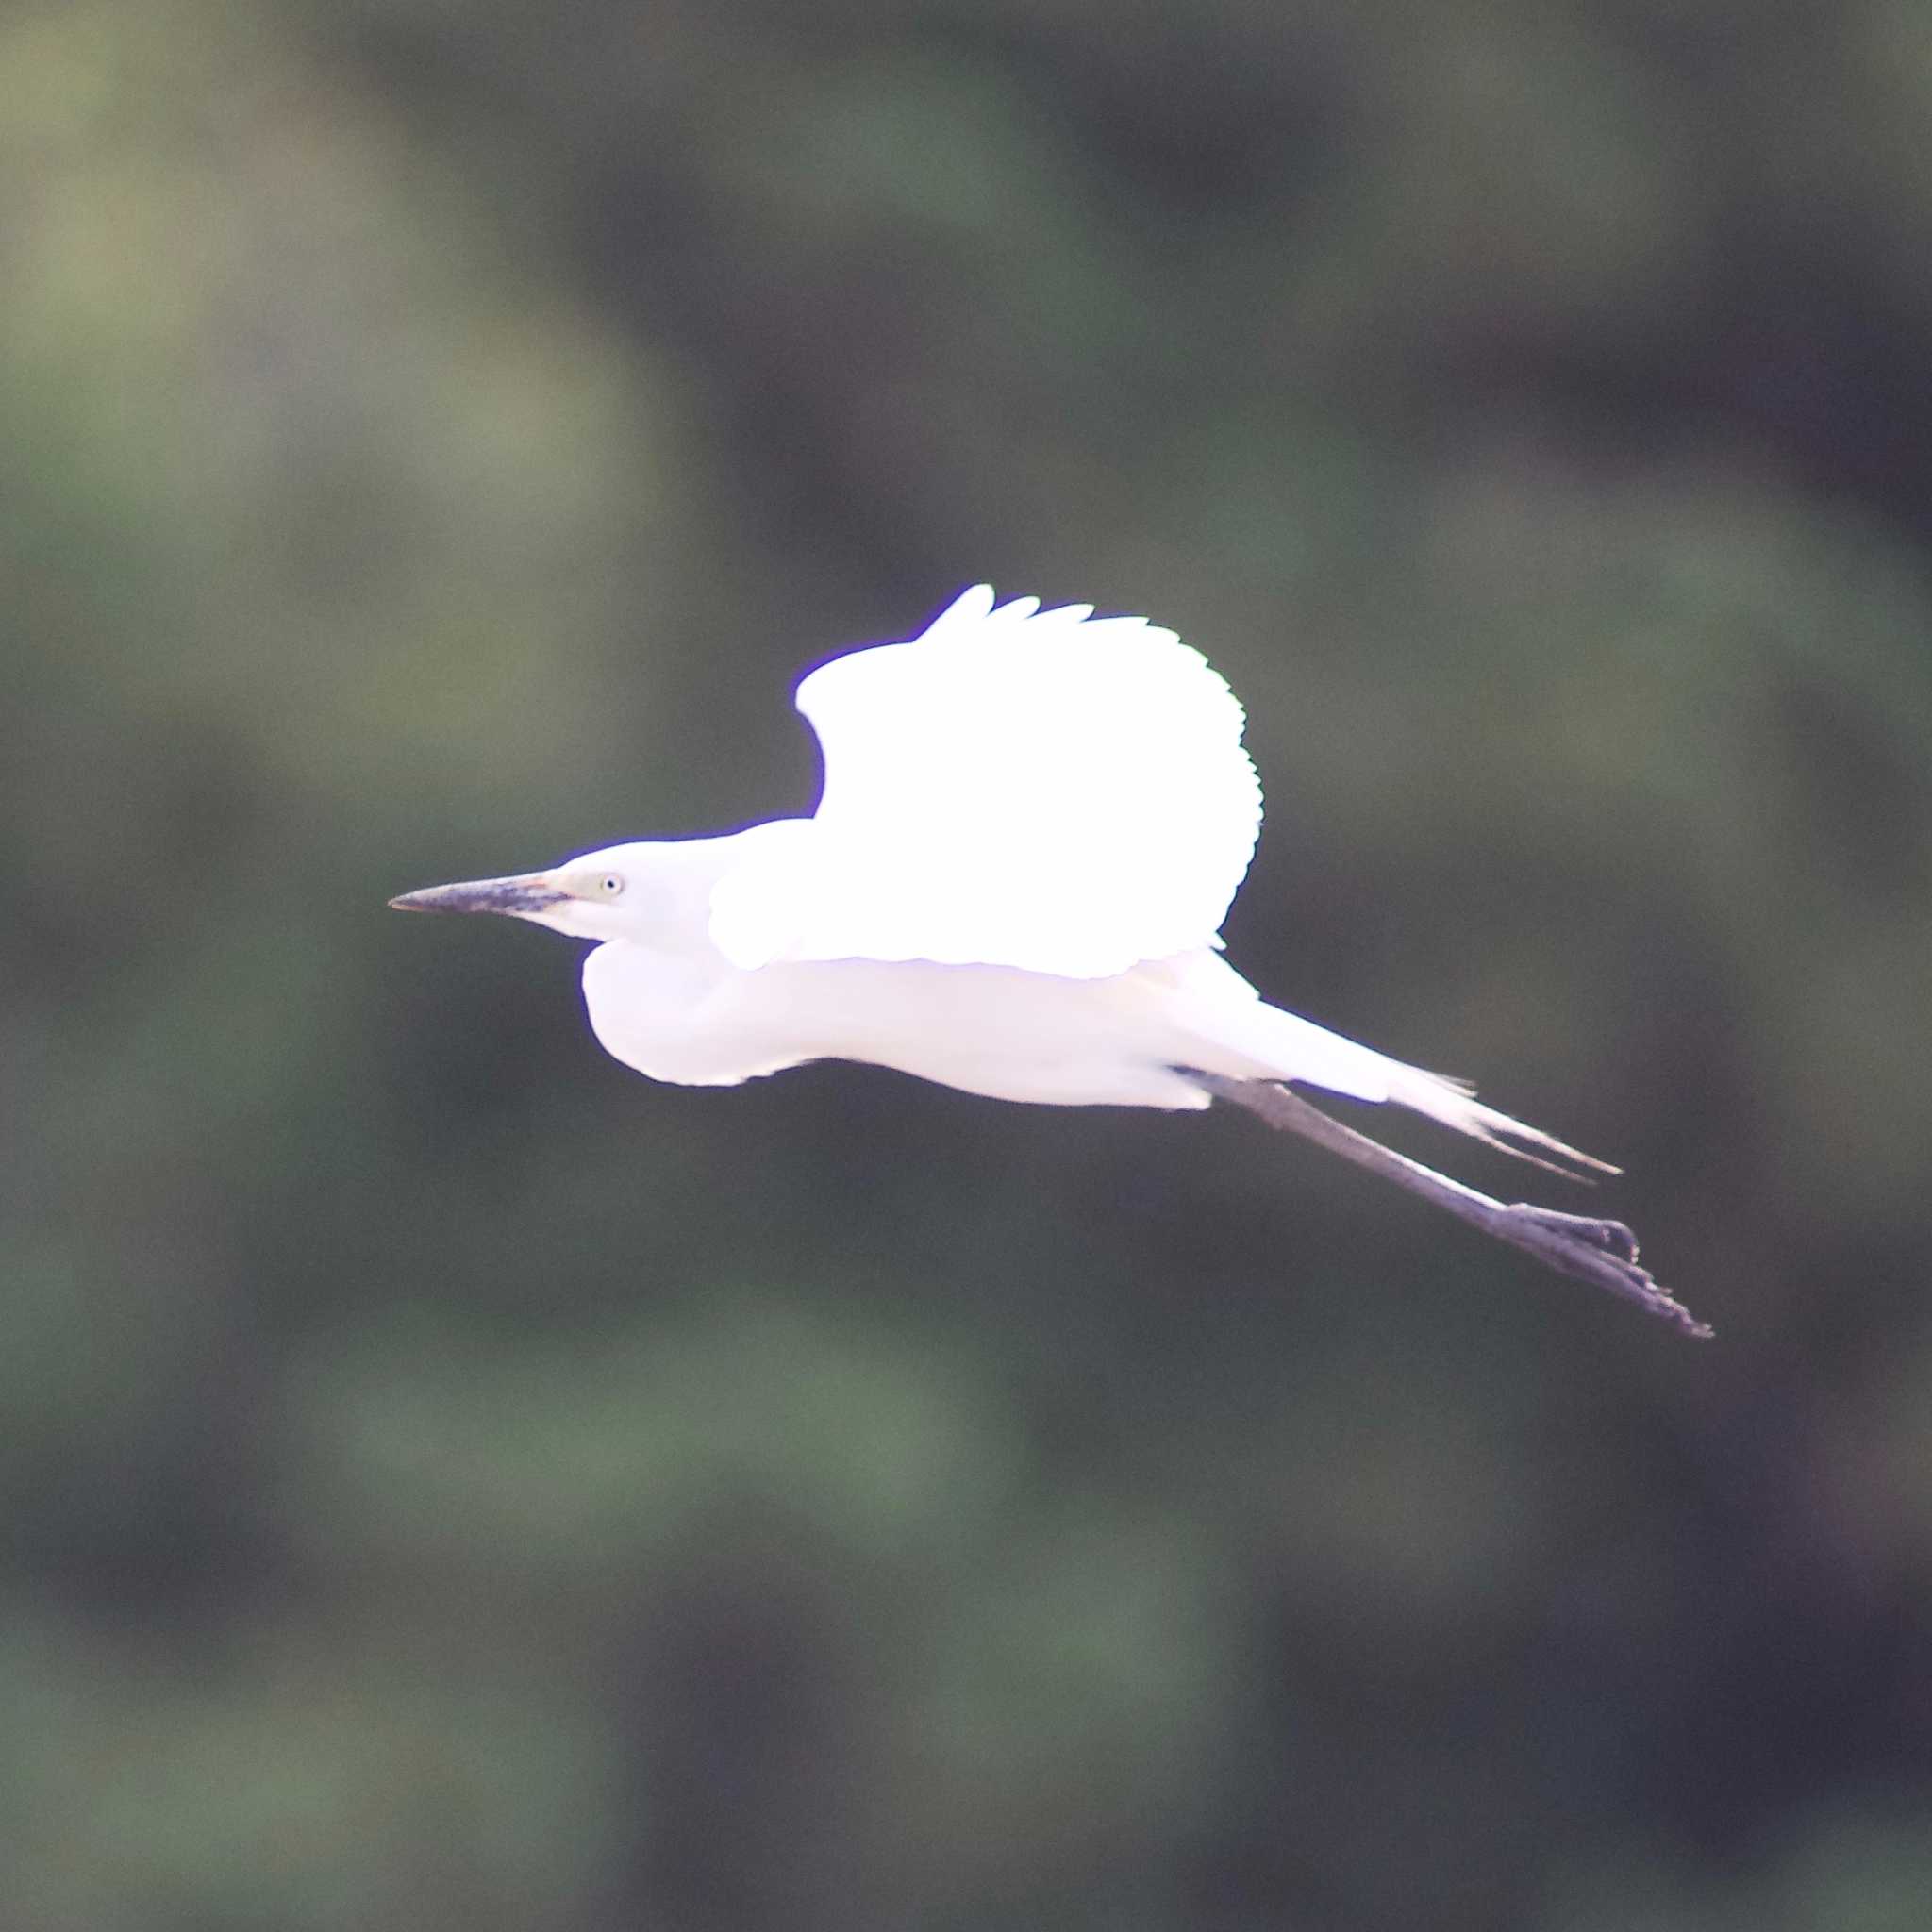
[1031, 826]
[1015, 786]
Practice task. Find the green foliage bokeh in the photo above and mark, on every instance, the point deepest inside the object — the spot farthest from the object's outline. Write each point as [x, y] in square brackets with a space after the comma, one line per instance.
[447, 1480]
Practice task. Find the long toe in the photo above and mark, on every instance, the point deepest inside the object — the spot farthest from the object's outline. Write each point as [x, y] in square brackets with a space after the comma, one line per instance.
[1600, 1252]
[1612, 1237]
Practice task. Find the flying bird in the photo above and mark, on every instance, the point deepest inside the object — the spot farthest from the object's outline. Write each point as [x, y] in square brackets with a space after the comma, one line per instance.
[1031, 827]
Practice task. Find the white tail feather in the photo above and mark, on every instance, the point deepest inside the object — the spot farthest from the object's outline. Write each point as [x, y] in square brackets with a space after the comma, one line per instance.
[1455, 1105]
[1257, 1040]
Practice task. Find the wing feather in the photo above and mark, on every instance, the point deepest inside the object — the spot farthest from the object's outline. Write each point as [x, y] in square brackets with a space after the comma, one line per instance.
[1014, 786]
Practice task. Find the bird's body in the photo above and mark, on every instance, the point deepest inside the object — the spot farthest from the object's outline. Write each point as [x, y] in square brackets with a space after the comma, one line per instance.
[1031, 826]
[687, 1014]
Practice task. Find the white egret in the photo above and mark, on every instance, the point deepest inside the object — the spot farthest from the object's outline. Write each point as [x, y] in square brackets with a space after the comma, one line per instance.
[1031, 827]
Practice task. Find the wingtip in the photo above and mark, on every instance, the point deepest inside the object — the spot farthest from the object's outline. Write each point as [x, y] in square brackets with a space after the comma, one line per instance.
[975, 601]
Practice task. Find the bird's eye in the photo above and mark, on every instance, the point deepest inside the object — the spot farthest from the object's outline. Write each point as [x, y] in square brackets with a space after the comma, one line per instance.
[610, 884]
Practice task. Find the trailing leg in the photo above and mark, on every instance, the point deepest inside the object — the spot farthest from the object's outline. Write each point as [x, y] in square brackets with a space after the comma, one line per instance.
[1603, 1253]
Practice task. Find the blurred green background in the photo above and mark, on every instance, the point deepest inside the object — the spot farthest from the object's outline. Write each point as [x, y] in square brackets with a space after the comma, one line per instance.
[447, 1480]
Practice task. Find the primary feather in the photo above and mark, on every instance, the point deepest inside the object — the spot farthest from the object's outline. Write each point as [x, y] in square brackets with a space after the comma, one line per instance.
[1014, 786]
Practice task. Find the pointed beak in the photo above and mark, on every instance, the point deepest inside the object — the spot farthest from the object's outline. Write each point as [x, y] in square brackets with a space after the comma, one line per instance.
[529, 891]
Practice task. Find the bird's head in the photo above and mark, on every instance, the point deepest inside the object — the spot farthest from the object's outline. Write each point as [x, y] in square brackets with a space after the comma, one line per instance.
[595, 897]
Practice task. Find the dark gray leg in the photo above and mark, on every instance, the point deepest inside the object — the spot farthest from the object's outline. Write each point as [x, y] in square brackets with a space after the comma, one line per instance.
[1600, 1252]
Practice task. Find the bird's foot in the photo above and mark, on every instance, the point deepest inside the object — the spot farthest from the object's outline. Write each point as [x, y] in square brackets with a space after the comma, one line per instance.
[1612, 1237]
[1600, 1252]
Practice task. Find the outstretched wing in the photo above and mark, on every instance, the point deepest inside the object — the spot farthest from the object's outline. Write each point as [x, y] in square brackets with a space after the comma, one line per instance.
[1015, 786]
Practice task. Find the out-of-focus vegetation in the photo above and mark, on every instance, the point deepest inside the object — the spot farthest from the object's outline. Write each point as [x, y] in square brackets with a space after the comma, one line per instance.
[445, 1481]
